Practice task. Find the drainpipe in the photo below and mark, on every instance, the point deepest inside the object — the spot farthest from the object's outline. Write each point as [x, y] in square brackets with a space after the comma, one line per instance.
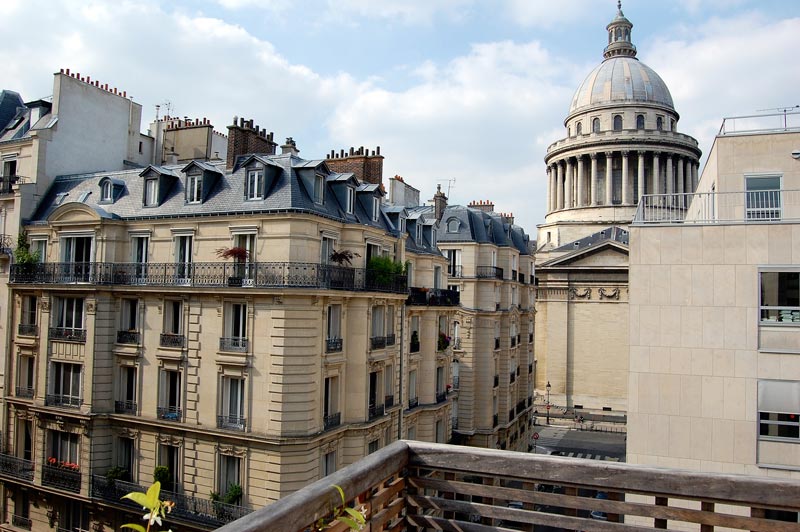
[402, 373]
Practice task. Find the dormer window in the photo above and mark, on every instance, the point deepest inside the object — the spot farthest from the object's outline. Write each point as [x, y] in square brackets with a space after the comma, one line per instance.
[106, 191]
[319, 189]
[376, 205]
[402, 225]
[194, 186]
[452, 225]
[419, 232]
[255, 185]
[351, 200]
[151, 192]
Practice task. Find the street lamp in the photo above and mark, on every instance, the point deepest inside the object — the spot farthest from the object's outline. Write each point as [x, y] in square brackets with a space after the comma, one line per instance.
[548, 401]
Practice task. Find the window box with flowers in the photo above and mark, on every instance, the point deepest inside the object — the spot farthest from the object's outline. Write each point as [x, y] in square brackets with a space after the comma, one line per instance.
[444, 342]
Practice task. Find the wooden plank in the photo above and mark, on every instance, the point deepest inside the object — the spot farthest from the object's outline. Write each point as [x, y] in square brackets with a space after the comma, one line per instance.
[611, 506]
[661, 523]
[388, 492]
[707, 507]
[385, 515]
[763, 492]
[427, 522]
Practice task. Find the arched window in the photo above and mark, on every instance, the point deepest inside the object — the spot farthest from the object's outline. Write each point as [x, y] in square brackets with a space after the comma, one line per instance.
[619, 34]
[452, 225]
[639, 121]
[569, 131]
[105, 191]
[596, 125]
[659, 123]
[617, 122]
[627, 34]
[672, 125]
[579, 128]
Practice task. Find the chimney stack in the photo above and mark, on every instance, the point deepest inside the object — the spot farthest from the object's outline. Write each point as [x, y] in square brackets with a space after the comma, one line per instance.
[366, 168]
[482, 205]
[244, 138]
[439, 203]
[290, 147]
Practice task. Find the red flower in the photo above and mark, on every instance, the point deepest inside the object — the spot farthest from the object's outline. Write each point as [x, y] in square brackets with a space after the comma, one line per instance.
[51, 461]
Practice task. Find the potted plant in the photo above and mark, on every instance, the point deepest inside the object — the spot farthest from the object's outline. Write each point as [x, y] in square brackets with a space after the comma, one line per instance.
[239, 256]
[162, 475]
[382, 272]
[343, 275]
[444, 342]
[343, 257]
[24, 259]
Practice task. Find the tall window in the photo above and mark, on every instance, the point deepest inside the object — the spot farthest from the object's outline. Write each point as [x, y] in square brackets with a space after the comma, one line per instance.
[440, 431]
[151, 193]
[126, 404]
[28, 313]
[173, 316]
[617, 122]
[334, 322]
[390, 317]
[659, 123]
[183, 256]
[376, 209]
[24, 443]
[373, 250]
[194, 187]
[170, 395]
[319, 189]
[639, 121]
[105, 191]
[378, 321]
[579, 128]
[780, 297]
[168, 456]
[69, 313]
[77, 253]
[412, 385]
[763, 197]
[595, 125]
[64, 447]
[329, 463]
[39, 248]
[388, 385]
[140, 245]
[779, 410]
[124, 448]
[327, 248]
[229, 471]
[437, 276]
[351, 200]
[330, 403]
[233, 406]
[454, 262]
[255, 185]
[65, 384]
[129, 315]
[26, 376]
[236, 320]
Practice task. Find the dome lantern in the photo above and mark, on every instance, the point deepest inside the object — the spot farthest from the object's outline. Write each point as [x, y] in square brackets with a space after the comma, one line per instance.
[619, 36]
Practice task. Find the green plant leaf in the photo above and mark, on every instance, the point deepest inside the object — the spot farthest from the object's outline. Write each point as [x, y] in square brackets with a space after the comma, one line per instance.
[138, 497]
[152, 495]
[358, 516]
[137, 528]
[349, 522]
[341, 492]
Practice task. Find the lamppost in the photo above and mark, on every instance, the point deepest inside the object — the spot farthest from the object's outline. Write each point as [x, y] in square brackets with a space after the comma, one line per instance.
[548, 401]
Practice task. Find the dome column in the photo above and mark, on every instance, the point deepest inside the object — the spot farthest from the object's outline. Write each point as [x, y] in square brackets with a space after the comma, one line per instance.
[595, 182]
[626, 181]
[640, 177]
[695, 180]
[580, 201]
[559, 186]
[658, 186]
[680, 188]
[609, 177]
[549, 190]
[670, 181]
[568, 181]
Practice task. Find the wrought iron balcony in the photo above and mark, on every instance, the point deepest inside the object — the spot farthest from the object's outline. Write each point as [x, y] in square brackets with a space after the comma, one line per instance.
[128, 337]
[19, 468]
[457, 343]
[488, 272]
[25, 392]
[231, 422]
[27, 329]
[413, 402]
[61, 477]
[433, 297]
[126, 407]
[67, 334]
[413, 346]
[332, 420]
[204, 512]
[21, 522]
[388, 401]
[441, 397]
[333, 345]
[7, 183]
[210, 275]
[390, 339]
[62, 400]
[234, 343]
[455, 270]
[172, 340]
[412, 485]
[377, 342]
[375, 411]
[169, 413]
[496, 381]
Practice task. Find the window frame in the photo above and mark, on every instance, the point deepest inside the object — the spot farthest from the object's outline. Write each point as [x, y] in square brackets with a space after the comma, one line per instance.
[640, 121]
[376, 208]
[618, 123]
[350, 200]
[795, 412]
[254, 184]
[63, 383]
[773, 197]
[150, 198]
[319, 189]
[194, 188]
[107, 192]
[779, 312]
[596, 127]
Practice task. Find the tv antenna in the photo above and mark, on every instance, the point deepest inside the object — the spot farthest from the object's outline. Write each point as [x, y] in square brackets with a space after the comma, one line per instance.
[451, 183]
[784, 110]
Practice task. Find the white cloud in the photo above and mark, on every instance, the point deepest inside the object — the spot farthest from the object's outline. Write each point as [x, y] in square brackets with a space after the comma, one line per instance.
[549, 14]
[412, 12]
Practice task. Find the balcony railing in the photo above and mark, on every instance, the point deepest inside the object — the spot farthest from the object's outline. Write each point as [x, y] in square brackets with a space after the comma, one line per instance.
[413, 346]
[210, 275]
[205, 512]
[332, 420]
[128, 337]
[388, 401]
[391, 339]
[377, 342]
[375, 411]
[7, 183]
[413, 402]
[172, 340]
[488, 272]
[169, 413]
[61, 478]
[27, 329]
[25, 392]
[457, 343]
[719, 207]
[333, 345]
[230, 422]
[62, 400]
[234, 343]
[21, 522]
[455, 270]
[412, 485]
[433, 297]
[126, 407]
[67, 334]
[441, 397]
[19, 468]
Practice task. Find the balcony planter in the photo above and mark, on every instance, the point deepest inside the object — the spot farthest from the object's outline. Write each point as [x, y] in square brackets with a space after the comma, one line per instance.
[235, 281]
[443, 342]
[240, 256]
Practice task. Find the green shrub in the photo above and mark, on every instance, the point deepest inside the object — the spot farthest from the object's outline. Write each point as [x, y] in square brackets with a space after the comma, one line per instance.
[22, 254]
[161, 474]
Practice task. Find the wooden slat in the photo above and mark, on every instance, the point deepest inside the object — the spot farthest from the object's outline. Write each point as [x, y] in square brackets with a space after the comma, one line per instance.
[707, 507]
[388, 492]
[661, 523]
[385, 515]
[427, 522]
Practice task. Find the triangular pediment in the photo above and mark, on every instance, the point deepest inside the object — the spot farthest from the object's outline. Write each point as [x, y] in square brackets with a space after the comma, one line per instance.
[608, 254]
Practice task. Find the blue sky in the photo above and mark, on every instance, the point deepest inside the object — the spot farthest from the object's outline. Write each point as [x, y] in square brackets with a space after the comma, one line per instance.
[468, 90]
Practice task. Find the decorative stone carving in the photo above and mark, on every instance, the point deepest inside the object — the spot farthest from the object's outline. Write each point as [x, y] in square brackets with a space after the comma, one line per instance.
[91, 306]
[231, 450]
[329, 447]
[612, 294]
[586, 293]
[169, 439]
[126, 432]
[44, 304]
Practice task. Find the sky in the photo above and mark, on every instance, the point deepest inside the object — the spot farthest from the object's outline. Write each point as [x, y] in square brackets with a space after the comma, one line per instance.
[463, 93]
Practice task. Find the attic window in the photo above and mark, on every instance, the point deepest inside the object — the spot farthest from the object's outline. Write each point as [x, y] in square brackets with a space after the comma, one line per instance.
[255, 184]
[84, 195]
[351, 197]
[402, 225]
[60, 197]
[194, 186]
[376, 205]
[452, 225]
[151, 192]
[319, 189]
[419, 232]
[106, 190]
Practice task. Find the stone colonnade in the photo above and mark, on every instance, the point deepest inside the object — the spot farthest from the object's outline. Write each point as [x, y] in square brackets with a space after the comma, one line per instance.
[572, 184]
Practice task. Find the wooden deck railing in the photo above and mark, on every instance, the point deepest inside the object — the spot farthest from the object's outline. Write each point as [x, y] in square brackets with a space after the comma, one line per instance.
[414, 486]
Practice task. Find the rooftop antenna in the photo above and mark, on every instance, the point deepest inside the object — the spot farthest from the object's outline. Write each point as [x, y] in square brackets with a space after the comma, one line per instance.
[784, 110]
[451, 183]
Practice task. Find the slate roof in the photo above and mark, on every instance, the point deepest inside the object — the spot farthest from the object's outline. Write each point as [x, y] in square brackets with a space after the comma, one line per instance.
[613, 233]
[286, 194]
[10, 102]
[481, 227]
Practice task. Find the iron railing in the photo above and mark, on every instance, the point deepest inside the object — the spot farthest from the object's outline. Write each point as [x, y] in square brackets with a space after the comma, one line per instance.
[27, 329]
[61, 478]
[7, 183]
[441, 397]
[433, 297]
[210, 514]
[332, 420]
[21, 522]
[413, 402]
[375, 411]
[455, 270]
[62, 400]
[67, 334]
[333, 345]
[488, 272]
[231, 422]
[169, 413]
[377, 342]
[413, 347]
[390, 339]
[172, 340]
[210, 275]
[19, 468]
[25, 392]
[234, 343]
[126, 407]
[388, 401]
[128, 337]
